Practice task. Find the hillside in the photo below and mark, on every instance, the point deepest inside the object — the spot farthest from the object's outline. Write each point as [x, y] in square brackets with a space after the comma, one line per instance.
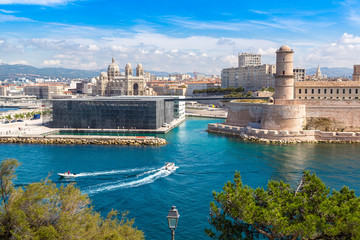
[332, 72]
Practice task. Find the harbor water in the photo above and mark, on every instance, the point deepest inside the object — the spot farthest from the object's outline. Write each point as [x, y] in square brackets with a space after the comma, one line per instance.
[131, 179]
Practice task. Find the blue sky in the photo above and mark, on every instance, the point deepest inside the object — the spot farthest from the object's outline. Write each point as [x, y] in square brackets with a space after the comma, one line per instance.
[177, 36]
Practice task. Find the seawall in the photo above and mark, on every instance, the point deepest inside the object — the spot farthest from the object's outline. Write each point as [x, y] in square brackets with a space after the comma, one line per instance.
[98, 140]
[283, 136]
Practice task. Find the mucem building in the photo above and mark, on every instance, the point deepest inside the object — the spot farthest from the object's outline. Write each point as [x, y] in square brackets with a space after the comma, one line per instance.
[112, 113]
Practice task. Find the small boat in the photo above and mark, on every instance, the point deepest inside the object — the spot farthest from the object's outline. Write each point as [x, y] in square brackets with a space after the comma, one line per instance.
[169, 166]
[67, 175]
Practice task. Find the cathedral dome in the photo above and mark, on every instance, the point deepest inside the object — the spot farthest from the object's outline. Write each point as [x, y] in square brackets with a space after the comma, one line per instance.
[139, 65]
[103, 75]
[128, 65]
[113, 67]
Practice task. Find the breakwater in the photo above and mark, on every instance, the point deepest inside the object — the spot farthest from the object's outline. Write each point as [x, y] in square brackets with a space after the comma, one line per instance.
[283, 136]
[98, 140]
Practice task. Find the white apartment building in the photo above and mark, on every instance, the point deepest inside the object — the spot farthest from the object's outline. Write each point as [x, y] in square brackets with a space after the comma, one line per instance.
[299, 74]
[249, 59]
[250, 77]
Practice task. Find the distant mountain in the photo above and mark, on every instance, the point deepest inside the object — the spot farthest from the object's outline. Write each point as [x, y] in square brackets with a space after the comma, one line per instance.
[16, 71]
[332, 72]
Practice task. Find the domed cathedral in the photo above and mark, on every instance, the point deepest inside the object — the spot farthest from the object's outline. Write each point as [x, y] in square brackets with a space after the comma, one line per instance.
[113, 83]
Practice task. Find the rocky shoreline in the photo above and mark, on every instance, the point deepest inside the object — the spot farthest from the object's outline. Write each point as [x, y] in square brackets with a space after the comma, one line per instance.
[136, 141]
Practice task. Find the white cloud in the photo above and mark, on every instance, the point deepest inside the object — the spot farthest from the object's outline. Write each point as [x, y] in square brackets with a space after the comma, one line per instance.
[267, 52]
[36, 2]
[93, 47]
[343, 53]
[11, 18]
[7, 11]
[22, 62]
[174, 50]
[52, 62]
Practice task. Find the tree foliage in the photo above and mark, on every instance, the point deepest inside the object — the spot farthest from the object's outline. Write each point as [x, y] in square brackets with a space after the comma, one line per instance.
[279, 212]
[43, 211]
[218, 91]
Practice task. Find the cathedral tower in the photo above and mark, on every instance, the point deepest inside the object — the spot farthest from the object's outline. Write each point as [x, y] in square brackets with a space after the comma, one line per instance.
[284, 78]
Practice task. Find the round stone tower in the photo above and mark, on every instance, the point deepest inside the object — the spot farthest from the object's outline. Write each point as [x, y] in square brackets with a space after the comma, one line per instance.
[284, 78]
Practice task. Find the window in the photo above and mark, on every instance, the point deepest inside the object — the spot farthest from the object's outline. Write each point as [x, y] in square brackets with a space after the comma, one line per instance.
[283, 72]
[344, 91]
[312, 97]
[350, 91]
[325, 91]
[319, 91]
[300, 91]
[305, 91]
[312, 91]
[337, 91]
[356, 91]
[331, 91]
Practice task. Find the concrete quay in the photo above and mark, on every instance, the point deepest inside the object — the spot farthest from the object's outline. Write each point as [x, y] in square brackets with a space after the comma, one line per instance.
[33, 131]
[282, 136]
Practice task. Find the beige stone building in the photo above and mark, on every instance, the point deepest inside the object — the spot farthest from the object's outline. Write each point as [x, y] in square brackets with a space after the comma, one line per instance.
[345, 90]
[112, 83]
[3, 90]
[42, 91]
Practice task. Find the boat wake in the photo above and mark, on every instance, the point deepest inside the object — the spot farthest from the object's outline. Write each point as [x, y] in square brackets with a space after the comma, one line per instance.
[111, 172]
[146, 177]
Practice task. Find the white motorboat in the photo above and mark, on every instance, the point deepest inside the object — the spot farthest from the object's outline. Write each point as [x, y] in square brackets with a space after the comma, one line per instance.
[169, 166]
[67, 175]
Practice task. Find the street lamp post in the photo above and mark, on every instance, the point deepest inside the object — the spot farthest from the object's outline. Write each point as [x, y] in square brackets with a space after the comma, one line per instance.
[173, 218]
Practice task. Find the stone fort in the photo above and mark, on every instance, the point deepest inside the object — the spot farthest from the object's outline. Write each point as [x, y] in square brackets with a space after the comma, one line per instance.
[290, 116]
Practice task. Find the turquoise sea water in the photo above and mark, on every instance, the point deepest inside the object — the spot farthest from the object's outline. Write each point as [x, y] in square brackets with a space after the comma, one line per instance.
[7, 109]
[130, 178]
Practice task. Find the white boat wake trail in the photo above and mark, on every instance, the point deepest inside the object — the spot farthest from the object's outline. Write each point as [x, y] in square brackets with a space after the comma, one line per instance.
[111, 172]
[147, 177]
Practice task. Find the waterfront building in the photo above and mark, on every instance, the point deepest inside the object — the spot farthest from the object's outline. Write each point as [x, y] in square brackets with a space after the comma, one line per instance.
[112, 83]
[356, 74]
[249, 59]
[116, 112]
